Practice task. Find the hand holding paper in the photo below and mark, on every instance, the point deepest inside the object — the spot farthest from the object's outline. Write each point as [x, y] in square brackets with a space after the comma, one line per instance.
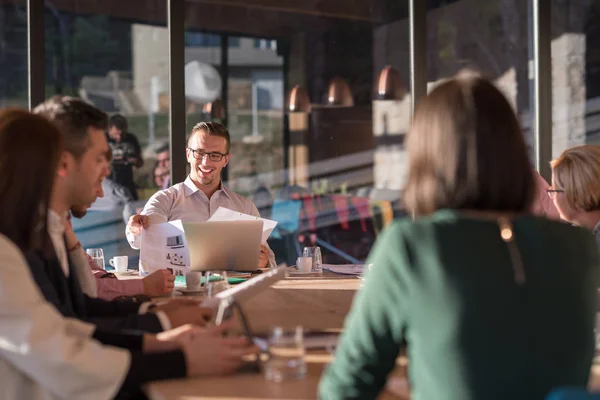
[225, 214]
[164, 246]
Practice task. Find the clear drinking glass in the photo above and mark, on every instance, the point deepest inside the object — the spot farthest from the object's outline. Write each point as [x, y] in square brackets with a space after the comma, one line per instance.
[211, 288]
[286, 355]
[315, 254]
[98, 256]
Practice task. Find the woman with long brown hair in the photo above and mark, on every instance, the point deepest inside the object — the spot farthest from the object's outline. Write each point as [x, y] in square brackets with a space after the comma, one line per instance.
[493, 302]
[43, 354]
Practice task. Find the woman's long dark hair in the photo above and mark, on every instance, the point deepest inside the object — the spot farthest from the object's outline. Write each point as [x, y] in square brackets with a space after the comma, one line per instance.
[30, 150]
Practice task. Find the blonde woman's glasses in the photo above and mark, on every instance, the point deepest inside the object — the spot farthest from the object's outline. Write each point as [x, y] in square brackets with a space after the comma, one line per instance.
[552, 192]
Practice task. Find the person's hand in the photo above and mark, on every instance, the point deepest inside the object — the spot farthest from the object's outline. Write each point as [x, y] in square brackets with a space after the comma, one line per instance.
[187, 314]
[263, 258]
[208, 352]
[138, 222]
[158, 283]
[176, 338]
[172, 339]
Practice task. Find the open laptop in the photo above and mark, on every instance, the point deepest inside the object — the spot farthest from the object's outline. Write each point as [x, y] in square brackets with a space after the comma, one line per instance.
[223, 245]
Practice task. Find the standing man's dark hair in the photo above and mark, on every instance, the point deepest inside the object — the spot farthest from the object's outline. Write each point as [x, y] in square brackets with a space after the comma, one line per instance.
[118, 121]
[73, 117]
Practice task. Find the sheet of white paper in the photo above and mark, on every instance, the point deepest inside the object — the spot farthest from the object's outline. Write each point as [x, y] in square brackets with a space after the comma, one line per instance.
[345, 269]
[225, 214]
[164, 246]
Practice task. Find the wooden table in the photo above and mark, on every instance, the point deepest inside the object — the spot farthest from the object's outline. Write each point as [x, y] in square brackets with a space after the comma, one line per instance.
[314, 303]
[320, 304]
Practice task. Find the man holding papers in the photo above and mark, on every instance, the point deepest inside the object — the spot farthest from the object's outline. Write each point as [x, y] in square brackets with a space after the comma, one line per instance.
[202, 193]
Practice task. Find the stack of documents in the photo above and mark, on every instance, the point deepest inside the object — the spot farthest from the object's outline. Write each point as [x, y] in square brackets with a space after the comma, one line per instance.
[225, 214]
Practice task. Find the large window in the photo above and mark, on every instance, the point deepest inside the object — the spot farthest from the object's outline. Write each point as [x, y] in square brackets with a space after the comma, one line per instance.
[13, 54]
[118, 63]
[575, 74]
[255, 116]
[316, 95]
[491, 37]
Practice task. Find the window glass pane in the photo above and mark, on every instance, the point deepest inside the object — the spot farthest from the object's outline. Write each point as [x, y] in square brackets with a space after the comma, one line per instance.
[493, 37]
[13, 56]
[330, 168]
[203, 80]
[575, 74]
[255, 115]
[200, 39]
[117, 59]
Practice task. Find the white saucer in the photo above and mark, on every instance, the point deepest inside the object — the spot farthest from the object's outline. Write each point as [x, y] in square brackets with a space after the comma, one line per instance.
[129, 272]
[295, 271]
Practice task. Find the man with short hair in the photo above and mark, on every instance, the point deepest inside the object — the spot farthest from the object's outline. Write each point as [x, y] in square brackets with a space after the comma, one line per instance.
[163, 164]
[83, 166]
[126, 151]
[202, 193]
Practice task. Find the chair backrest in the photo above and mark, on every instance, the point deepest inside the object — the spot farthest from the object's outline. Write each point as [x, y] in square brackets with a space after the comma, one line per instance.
[287, 215]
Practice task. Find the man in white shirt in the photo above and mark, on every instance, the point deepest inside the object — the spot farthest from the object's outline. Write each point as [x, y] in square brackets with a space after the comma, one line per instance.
[82, 168]
[202, 193]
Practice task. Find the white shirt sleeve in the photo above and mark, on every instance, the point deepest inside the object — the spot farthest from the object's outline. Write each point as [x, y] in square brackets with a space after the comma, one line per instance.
[158, 209]
[84, 272]
[41, 347]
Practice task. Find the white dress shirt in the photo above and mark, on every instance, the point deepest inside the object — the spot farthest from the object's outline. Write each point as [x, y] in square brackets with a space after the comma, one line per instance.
[186, 202]
[56, 230]
[42, 354]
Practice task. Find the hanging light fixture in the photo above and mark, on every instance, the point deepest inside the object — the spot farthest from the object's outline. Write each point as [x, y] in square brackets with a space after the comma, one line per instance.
[298, 101]
[389, 85]
[339, 93]
[214, 109]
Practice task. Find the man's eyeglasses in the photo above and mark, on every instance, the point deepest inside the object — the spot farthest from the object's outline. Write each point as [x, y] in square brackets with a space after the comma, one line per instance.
[212, 156]
[552, 192]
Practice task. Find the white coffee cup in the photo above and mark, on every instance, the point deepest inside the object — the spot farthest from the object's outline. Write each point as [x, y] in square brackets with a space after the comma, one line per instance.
[119, 263]
[304, 264]
[193, 280]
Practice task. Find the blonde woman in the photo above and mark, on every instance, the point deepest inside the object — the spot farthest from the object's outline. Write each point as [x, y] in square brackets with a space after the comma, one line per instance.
[576, 187]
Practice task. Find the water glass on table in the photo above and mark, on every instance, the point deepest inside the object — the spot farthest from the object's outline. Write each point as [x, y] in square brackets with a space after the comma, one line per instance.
[98, 256]
[212, 287]
[285, 358]
[317, 260]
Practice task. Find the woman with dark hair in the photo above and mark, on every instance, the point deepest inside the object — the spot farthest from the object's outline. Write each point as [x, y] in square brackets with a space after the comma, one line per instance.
[493, 302]
[43, 354]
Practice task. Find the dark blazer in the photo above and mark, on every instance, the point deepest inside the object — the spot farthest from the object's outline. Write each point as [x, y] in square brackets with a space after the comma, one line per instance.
[66, 295]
